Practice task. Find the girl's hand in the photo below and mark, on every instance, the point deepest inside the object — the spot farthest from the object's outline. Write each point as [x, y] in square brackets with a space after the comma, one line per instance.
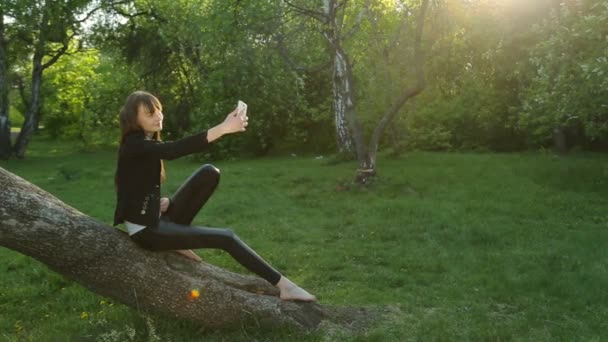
[234, 123]
[164, 204]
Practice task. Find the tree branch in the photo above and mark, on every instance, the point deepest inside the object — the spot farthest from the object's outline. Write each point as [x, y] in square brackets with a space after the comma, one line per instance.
[357, 24]
[151, 12]
[90, 13]
[308, 12]
[59, 53]
[104, 260]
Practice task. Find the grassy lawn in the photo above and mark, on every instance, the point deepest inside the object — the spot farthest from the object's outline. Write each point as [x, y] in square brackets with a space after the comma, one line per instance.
[466, 246]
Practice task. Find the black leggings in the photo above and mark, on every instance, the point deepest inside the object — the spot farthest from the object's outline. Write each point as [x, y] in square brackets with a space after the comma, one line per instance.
[175, 232]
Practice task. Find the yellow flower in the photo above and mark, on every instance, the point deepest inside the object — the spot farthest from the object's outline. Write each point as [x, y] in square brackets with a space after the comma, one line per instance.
[194, 294]
[84, 315]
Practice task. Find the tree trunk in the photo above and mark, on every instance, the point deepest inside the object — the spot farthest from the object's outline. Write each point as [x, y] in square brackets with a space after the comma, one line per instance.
[5, 123]
[344, 101]
[367, 169]
[105, 260]
[28, 128]
[30, 125]
[559, 140]
[342, 80]
[34, 105]
[345, 94]
[351, 141]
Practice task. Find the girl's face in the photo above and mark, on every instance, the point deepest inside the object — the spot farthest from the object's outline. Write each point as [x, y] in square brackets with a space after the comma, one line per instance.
[150, 122]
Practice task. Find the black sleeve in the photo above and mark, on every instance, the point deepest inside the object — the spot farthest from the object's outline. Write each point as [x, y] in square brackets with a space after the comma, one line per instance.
[136, 145]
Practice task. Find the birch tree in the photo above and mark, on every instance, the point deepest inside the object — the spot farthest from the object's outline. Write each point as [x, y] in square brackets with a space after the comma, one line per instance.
[331, 16]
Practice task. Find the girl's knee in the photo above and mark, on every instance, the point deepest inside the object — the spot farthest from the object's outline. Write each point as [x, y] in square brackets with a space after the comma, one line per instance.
[207, 173]
[210, 169]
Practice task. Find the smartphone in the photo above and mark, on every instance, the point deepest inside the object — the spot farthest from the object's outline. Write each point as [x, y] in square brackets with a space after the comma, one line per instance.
[241, 108]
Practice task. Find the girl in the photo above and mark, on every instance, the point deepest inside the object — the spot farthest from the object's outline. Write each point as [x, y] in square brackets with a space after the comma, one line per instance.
[160, 224]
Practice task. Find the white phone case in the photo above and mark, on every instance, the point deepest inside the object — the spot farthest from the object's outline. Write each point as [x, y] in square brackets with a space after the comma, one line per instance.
[242, 108]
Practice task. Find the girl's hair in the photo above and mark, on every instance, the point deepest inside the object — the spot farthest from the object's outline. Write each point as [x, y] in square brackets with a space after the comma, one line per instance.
[129, 123]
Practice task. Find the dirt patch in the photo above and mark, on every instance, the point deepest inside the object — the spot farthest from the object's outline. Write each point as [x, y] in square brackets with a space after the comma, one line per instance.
[354, 321]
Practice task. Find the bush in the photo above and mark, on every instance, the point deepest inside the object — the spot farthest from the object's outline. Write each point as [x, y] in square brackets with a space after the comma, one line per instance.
[570, 85]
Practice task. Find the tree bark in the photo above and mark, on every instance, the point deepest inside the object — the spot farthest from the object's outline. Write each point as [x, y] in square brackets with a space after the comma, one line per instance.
[104, 260]
[5, 123]
[342, 80]
[27, 129]
[344, 99]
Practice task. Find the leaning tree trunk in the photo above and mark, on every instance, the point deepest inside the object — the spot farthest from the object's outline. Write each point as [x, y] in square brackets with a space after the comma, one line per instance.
[5, 123]
[367, 161]
[105, 260]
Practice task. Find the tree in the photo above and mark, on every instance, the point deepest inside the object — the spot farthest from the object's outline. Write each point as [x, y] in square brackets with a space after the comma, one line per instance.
[104, 260]
[366, 154]
[332, 18]
[49, 22]
[46, 29]
[198, 58]
[566, 96]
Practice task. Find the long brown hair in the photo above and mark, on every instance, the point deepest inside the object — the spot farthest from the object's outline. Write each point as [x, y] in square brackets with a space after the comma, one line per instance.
[129, 123]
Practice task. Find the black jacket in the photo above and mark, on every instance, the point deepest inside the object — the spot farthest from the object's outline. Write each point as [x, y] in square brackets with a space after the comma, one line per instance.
[138, 173]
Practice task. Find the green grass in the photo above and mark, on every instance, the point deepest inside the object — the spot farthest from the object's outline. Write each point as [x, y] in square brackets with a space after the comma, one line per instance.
[468, 246]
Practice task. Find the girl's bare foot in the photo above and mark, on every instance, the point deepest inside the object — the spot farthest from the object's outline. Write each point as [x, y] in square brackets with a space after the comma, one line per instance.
[188, 253]
[291, 291]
